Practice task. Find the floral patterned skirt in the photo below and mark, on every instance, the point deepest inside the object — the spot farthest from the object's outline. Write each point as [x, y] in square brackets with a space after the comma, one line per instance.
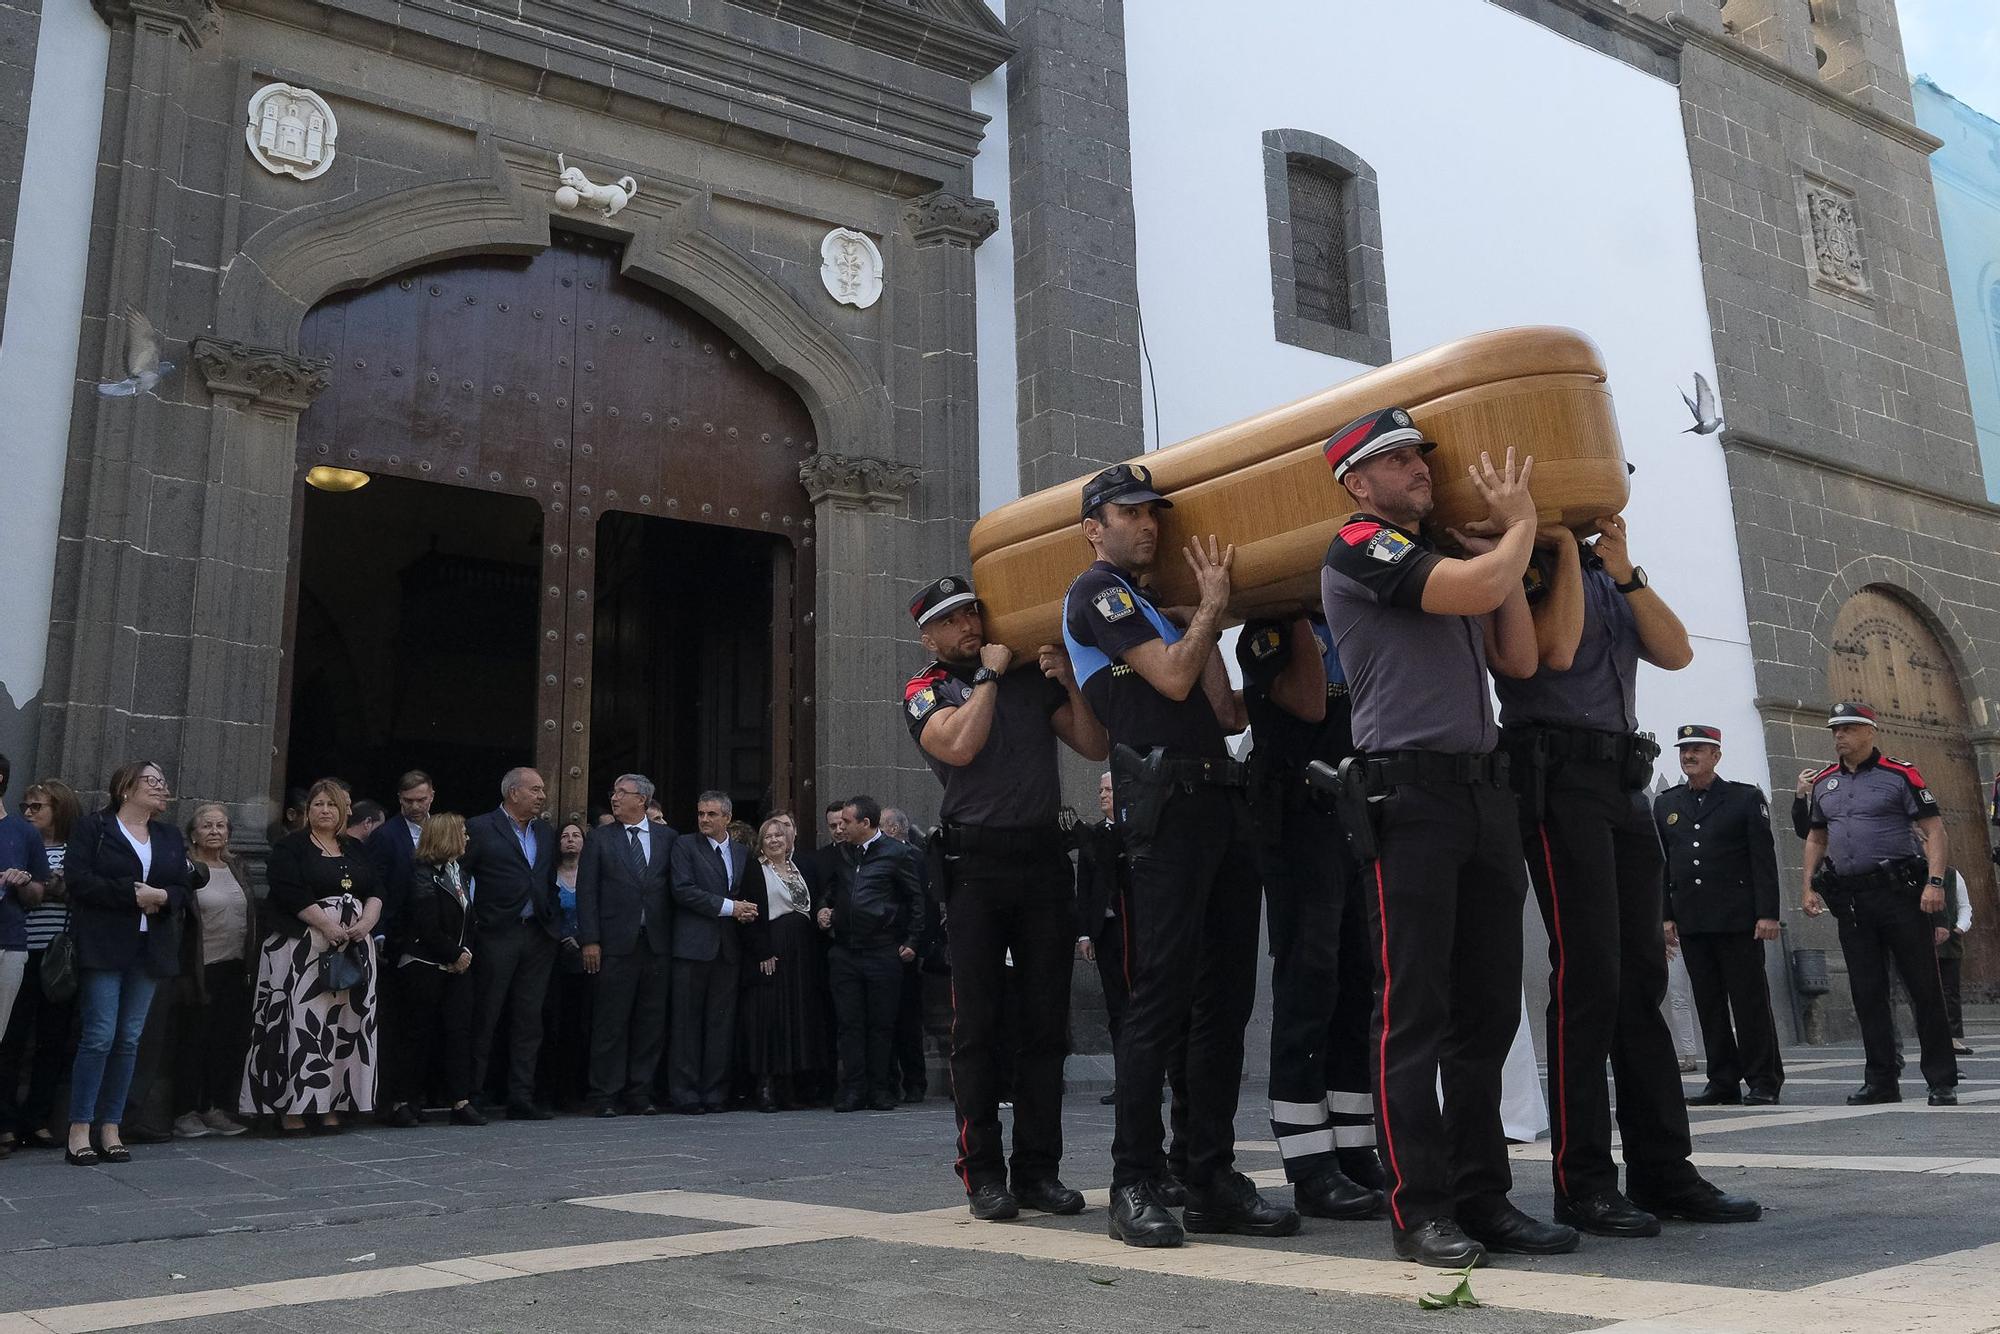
[311, 1050]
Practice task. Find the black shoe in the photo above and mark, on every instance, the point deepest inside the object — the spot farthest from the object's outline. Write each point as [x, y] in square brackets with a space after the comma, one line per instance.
[883, 1104]
[1362, 1166]
[145, 1135]
[1438, 1244]
[1048, 1196]
[715, 1108]
[528, 1111]
[839, 1105]
[915, 1092]
[686, 1108]
[1329, 1194]
[1231, 1203]
[1508, 1229]
[402, 1117]
[1137, 1219]
[1944, 1095]
[991, 1202]
[468, 1115]
[83, 1157]
[767, 1095]
[1958, 1047]
[1606, 1214]
[1717, 1097]
[1699, 1202]
[606, 1110]
[1168, 1190]
[1870, 1094]
[1759, 1098]
[1107, 1099]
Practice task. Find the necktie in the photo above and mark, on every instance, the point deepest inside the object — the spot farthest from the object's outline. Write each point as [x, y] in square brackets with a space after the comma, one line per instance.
[723, 858]
[638, 850]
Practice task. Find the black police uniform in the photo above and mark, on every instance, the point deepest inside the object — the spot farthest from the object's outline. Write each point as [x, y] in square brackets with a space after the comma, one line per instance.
[1722, 879]
[1322, 1109]
[1872, 881]
[1010, 887]
[1444, 894]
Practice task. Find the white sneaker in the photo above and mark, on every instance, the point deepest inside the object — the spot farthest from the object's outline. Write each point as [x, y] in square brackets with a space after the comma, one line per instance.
[221, 1122]
[190, 1126]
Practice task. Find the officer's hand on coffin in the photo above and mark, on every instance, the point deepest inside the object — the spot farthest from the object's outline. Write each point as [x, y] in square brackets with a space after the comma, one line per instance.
[1505, 489]
[996, 657]
[1211, 570]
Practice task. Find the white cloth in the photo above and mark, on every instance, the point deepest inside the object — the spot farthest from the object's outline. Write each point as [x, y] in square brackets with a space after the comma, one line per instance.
[778, 892]
[144, 852]
[1680, 1005]
[1964, 922]
[1524, 1111]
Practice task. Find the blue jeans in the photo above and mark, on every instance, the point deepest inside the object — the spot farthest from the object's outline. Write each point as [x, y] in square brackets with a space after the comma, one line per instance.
[111, 1012]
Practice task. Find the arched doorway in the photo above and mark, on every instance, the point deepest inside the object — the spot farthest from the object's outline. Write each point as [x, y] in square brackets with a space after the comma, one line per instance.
[559, 448]
[1886, 655]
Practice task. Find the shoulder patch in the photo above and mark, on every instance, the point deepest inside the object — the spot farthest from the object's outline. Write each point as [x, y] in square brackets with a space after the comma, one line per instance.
[929, 676]
[1905, 768]
[1358, 532]
[1389, 546]
[1114, 604]
[1266, 643]
[922, 703]
[1533, 582]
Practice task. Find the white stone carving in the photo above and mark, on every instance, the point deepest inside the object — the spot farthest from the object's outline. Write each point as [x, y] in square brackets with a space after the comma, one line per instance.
[291, 131]
[577, 191]
[850, 264]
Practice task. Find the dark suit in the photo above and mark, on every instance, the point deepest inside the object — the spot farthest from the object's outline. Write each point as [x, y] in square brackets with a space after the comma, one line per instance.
[516, 924]
[877, 899]
[623, 907]
[708, 953]
[393, 854]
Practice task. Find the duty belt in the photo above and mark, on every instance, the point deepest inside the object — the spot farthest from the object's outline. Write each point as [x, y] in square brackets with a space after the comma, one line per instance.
[1213, 773]
[1582, 743]
[972, 840]
[1888, 875]
[1397, 767]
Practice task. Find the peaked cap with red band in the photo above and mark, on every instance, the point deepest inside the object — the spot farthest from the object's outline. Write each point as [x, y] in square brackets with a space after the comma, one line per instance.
[1698, 734]
[1377, 433]
[1848, 711]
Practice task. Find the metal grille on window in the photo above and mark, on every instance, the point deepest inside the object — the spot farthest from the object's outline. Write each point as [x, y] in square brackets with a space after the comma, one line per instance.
[1319, 243]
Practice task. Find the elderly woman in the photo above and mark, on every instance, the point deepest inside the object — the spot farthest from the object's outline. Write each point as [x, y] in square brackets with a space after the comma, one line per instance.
[313, 1047]
[783, 1038]
[127, 874]
[430, 1046]
[38, 1032]
[212, 1028]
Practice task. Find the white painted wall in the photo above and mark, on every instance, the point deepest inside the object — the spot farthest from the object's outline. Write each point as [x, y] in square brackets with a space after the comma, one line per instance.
[38, 345]
[993, 273]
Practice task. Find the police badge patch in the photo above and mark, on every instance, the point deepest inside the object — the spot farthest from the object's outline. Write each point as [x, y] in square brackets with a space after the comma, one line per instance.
[1113, 604]
[1265, 643]
[921, 703]
[1389, 546]
[1673, 817]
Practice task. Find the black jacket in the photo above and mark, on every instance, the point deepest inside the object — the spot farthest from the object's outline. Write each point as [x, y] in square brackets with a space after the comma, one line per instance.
[435, 925]
[394, 857]
[503, 881]
[1100, 868]
[757, 945]
[1722, 866]
[612, 894]
[698, 888]
[878, 900]
[100, 868]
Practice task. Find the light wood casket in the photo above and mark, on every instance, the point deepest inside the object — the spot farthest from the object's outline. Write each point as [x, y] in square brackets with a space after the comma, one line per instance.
[1263, 484]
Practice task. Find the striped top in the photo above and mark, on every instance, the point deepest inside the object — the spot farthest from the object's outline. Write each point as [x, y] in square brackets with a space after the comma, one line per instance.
[46, 922]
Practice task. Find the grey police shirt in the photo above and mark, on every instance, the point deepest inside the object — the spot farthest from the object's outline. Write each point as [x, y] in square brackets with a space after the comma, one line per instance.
[1417, 679]
[1597, 690]
[1869, 815]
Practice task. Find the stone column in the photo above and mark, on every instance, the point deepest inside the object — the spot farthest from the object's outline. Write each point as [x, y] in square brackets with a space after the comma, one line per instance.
[1864, 52]
[947, 228]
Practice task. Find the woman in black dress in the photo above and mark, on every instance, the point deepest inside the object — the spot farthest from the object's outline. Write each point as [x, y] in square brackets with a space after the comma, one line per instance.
[784, 1038]
[313, 1048]
[430, 1045]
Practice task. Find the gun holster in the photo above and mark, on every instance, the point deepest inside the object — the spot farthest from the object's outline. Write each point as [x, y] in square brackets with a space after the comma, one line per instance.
[1139, 789]
[1347, 789]
[940, 864]
[1637, 771]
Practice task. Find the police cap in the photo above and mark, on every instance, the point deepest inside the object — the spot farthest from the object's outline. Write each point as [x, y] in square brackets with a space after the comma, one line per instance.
[1851, 711]
[1698, 734]
[1126, 483]
[1365, 437]
[941, 596]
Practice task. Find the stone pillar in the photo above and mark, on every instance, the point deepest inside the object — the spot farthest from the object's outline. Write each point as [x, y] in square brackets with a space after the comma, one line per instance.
[947, 228]
[1864, 52]
[1781, 29]
[20, 23]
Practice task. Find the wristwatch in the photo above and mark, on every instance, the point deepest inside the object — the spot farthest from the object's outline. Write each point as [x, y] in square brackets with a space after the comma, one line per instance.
[983, 675]
[1937, 880]
[1638, 581]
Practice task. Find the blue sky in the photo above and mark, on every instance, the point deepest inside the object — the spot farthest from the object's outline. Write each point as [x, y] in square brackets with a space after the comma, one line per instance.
[1957, 43]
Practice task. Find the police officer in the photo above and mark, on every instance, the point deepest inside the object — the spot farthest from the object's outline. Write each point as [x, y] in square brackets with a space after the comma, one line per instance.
[1192, 896]
[1876, 856]
[1415, 631]
[1580, 770]
[1722, 905]
[988, 729]
[1322, 1114]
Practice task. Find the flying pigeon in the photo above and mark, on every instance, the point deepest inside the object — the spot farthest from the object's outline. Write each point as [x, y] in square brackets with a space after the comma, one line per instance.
[1706, 420]
[142, 359]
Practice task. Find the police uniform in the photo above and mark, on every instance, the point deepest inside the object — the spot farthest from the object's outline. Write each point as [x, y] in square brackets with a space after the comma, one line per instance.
[1445, 891]
[1322, 1111]
[1871, 879]
[1191, 907]
[1010, 888]
[1722, 879]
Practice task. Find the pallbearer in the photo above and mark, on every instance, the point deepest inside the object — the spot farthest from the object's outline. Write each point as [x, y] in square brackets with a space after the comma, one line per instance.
[988, 729]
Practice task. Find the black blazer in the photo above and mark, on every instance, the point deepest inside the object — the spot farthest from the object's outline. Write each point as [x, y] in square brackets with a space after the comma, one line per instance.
[436, 927]
[699, 889]
[1735, 882]
[1100, 862]
[757, 945]
[99, 868]
[611, 892]
[394, 858]
[504, 880]
[878, 901]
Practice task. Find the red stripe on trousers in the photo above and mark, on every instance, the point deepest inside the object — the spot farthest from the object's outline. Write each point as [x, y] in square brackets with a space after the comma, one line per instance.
[959, 1166]
[1559, 1062]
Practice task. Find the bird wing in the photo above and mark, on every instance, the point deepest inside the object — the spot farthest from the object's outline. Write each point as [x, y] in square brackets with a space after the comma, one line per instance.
[119, 388]
[142, 344]
[1704, 399]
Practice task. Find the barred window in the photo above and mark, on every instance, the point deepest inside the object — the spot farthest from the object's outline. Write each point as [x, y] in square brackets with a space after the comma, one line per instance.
[1319, 242]
[1329, 292]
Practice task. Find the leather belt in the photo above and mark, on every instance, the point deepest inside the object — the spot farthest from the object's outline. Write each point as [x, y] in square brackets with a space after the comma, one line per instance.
[1397, 767]
[1889, 875]
[1193, 770]
[971, 840]
[1581, 743]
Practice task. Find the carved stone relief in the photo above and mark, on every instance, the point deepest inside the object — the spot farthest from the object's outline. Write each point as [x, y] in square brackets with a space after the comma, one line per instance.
[1833, 239]
[850, 264]
[856, 482]
[291, 131]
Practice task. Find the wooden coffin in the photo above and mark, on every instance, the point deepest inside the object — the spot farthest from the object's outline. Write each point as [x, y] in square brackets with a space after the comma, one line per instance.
[1263, 484]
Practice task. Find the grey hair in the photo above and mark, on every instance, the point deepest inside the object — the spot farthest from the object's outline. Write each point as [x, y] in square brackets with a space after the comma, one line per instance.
[894, 823]
[514, 779]
[642, 784]
[719, 798]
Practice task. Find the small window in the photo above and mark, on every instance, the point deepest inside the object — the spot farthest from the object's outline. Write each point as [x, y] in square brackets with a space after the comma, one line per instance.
[1328, 287]
[1319, 242]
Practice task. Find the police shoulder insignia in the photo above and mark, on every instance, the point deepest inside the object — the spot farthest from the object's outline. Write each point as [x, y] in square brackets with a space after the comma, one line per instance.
[1832, 783]
[922, 703]
[1673, 817]
[1266, 642]
[1389, 546]
[1533, 581]
[1113, 604]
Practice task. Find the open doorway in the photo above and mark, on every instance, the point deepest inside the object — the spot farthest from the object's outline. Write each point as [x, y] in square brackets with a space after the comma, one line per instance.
[683, 664]
[415, 643]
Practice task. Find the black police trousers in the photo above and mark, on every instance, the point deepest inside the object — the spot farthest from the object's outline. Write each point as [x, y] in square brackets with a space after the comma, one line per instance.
[1116, 980]
[1321, 987]
[1444, 899]
[1599, 873]
[1191, 952]
[1877, 925]
[1727, 972]
[999, 904]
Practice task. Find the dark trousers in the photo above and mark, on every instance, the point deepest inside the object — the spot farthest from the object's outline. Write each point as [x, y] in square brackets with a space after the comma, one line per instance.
[39, 1036]
[908, 1049]
[1876, 926]
[210, 1040]
[1108, 944]
[1598, 872]
[1444, 903]
[562, 1073]
[1022, 904]
[867, 986]
[628, 1025]
[1191, 952]
[1727, 972]
[511, 962]
[429, 1050]
[704, 1025]
[1320, 989]
[1948, 970]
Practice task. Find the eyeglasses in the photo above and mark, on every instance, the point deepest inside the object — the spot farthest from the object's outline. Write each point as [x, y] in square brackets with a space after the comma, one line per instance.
[624, 792]
[34, 805]
[153, 780]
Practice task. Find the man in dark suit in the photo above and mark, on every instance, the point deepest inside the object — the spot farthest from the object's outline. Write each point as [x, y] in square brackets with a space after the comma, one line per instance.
[624, 918]
[510, 860]
[392, 848]
[706, 879]
[907, 1051]
[876, 914]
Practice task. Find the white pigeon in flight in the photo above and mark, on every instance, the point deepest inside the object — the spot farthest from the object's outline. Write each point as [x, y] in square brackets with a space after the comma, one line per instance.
[1707, 421]
[142, 359]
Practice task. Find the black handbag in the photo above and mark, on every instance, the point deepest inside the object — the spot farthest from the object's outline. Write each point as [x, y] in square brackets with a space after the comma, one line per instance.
[345, 967]
[59, 979]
